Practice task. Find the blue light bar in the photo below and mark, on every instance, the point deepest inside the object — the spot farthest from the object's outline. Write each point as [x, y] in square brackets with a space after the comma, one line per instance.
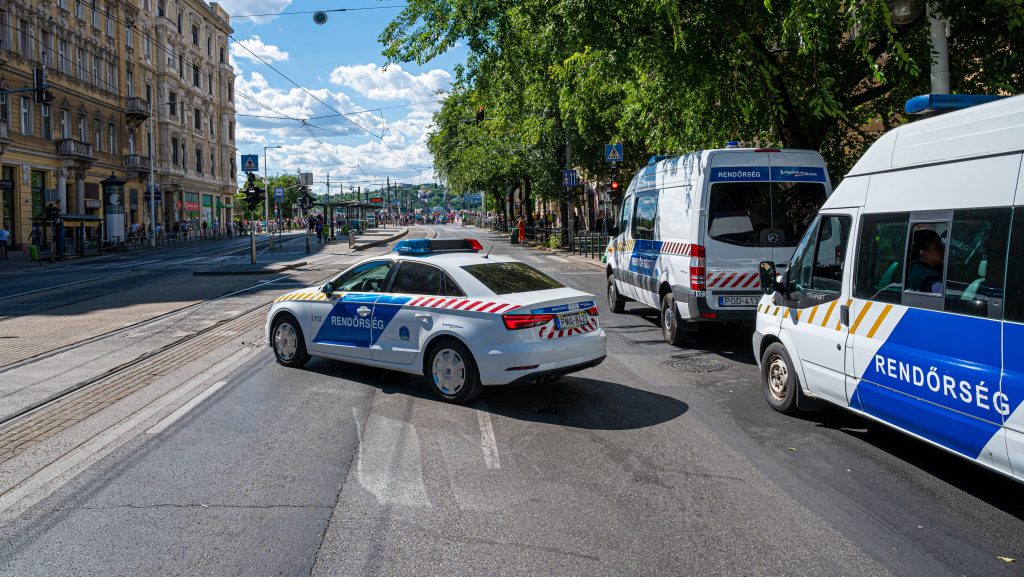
[657, 158]
[946, 102]
[426, 246]
[732, 144]
[413, 246]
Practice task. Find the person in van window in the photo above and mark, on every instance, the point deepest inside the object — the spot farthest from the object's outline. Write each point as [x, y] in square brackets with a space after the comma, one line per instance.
[926, 255]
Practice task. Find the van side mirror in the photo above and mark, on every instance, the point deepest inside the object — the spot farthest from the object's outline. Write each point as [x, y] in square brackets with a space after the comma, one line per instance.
[327, 289]
[769, 283]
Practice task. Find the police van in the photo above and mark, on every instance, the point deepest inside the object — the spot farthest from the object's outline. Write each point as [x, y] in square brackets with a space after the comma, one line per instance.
[904, 301]
[693, 229]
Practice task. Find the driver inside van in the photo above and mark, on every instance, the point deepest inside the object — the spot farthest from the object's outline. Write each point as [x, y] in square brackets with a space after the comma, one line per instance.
[927, 255]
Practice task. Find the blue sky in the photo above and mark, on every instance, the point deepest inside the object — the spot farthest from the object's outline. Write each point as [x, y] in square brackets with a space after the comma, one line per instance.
[340, 63]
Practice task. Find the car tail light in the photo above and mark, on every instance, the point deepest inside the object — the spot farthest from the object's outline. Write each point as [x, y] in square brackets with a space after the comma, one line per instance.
[709, 315]
[697, 268]
[592, 311]
[516, 322]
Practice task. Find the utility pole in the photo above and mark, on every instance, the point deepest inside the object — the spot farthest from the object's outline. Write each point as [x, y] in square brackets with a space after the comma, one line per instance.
[327, 210]
[568, 195]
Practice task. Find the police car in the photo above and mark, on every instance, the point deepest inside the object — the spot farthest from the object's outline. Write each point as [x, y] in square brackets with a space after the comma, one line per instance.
[439, 308]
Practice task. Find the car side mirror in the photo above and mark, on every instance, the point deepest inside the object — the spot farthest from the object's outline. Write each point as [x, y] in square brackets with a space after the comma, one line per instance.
[769, 278]
[327, 289]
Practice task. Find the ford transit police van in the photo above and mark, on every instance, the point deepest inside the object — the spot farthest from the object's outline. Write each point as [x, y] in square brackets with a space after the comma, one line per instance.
[693, 229]
[904, 301]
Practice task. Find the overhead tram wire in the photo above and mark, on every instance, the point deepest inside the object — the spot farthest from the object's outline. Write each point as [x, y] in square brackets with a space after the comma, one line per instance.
[315, 11]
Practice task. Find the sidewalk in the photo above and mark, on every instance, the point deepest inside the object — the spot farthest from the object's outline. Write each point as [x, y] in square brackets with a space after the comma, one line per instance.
[497, 236]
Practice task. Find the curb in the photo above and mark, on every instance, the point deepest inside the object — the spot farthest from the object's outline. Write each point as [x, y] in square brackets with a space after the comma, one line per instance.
[229, 272]
[379, 242]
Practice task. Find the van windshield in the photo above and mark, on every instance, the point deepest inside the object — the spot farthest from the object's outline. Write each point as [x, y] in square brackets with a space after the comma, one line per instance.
[763, 214]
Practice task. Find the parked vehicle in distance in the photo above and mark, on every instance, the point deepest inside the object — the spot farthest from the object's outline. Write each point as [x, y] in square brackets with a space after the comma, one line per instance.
[693, 229]
[904, 301]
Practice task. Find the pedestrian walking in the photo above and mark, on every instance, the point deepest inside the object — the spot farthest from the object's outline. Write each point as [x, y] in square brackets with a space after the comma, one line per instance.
[5, 238]
[522, 230]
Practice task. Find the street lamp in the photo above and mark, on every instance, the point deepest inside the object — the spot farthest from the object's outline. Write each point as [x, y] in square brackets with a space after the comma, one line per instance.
[266, 202]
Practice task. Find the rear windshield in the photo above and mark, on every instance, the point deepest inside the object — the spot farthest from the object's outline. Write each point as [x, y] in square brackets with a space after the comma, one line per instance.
[511, 277]
[763, 214]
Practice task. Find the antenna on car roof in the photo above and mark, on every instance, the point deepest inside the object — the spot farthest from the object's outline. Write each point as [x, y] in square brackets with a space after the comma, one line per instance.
[489, 251]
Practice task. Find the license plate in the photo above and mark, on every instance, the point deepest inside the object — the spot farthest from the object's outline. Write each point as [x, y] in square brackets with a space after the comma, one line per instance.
[738, 301]
[571, 320]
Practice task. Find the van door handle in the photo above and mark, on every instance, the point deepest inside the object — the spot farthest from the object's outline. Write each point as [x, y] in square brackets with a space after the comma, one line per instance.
[844, 315]
[423, 316]
[363, 311]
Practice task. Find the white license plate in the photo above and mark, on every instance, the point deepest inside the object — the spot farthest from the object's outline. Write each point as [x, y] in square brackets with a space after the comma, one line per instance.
[571, 320]
[738, 301]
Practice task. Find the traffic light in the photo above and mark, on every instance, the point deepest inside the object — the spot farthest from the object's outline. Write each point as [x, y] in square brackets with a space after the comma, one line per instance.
[42, 95]
[615, 188]
[254, 195]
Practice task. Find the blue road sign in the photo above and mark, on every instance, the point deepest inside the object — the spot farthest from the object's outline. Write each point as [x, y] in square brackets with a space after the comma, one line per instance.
[569, 178]
[613, 152]
[250, 162]
[157, 197]
[278, 194]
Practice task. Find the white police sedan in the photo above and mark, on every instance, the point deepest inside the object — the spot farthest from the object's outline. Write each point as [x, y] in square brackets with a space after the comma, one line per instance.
[439, 308]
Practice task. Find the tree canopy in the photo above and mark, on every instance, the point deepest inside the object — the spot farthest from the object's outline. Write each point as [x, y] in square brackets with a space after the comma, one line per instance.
[667, 77]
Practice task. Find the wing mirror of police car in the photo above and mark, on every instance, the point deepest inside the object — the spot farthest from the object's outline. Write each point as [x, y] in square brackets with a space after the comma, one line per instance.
[327, 289]
[769, 278]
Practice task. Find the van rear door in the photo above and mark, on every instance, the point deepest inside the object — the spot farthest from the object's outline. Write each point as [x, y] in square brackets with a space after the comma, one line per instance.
[759, 204]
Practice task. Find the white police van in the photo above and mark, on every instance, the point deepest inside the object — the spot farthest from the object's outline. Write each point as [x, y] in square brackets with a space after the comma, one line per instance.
[904, 302]
[436, 307]
[693, 229]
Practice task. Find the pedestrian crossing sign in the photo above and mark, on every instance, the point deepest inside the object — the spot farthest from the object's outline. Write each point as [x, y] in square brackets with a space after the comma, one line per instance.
[613, 152]
[250, 163]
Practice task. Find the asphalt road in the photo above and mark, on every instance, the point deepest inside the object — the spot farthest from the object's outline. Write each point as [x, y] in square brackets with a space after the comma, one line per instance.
[661, 461]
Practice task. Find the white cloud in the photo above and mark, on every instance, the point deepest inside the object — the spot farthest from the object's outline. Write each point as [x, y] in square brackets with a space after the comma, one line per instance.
[250, 48]
[392, 83]
[243, 7]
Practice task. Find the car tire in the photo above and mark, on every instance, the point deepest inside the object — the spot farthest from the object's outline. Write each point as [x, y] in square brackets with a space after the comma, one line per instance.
[616, 302]
[451, 372]
[671, 325]
[287, 342]
[779, 381]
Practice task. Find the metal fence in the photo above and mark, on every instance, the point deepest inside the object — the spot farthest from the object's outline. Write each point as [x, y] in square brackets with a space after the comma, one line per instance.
[589, 244]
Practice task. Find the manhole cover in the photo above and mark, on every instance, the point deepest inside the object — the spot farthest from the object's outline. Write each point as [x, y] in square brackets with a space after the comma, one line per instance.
[696, 364]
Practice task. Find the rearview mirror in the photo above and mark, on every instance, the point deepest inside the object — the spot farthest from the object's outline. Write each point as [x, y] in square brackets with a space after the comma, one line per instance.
[328, 288]
[769, 278]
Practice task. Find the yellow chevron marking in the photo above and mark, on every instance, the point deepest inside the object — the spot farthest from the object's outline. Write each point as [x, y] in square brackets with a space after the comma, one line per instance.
[797, 316]
[814, 310]
[860, 317]
[775, 313]
[828, 313]
[878, 322]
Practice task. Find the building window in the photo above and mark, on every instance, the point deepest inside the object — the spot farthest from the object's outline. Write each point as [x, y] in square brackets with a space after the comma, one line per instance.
[97, 130]
[80, 9]
[161, 8]
[26, 40]
[5, 30]
[82, 136]
[111, 84]
[62, 4]
[198, 114]
[211, 126]
[149, 93]
[222, 55]
[111, 138]
[95, 15]
[181, 67]
[44, 48]
[26, 115]
[5, 113]
[231, 92]
[172, 103]
[213, 167]
[62, 56]
[110, 24]
[231, 131]
[44, 113]
[129, 36]
[65, 124]
[195, 35]
[170, 56]
[129, 78]
[199, 160]
[174, 152]
[80, 63]
[96, 70]
[209, 82]
[131, 141]
[145, 46]
[195, 75]
[209, 46]
[183, 157]
[149, 144]
[179, 21]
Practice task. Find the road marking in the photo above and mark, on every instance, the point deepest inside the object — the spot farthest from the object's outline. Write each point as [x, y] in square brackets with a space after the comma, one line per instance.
[185, 408]
[490, 445]
[53, 476]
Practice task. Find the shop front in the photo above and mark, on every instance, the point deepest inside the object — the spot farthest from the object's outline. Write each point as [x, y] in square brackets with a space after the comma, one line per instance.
[207, 210]
[7, 205]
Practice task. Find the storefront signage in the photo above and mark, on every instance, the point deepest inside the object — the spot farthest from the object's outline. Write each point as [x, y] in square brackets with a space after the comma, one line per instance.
[192, 206]
[6, 184]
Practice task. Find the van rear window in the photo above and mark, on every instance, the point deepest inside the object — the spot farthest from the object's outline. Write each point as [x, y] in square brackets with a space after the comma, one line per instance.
[763, 214]
[504, 278]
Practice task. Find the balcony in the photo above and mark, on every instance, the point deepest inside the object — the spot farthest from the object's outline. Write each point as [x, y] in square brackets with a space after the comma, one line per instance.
[136, 163]
[136, 108]
[70, 149]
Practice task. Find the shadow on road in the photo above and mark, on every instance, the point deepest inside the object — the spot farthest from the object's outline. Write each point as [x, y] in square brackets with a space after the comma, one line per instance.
[573, 401]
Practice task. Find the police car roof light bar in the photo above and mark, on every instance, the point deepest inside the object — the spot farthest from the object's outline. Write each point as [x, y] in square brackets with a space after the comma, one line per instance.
[657, 158]
[427, 246]
[946, 102]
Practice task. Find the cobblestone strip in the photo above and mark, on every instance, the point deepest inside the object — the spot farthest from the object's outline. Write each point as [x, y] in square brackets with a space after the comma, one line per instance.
[54, 418]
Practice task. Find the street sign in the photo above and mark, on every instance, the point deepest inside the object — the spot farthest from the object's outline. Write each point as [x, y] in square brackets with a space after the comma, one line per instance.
[250, 162]
[613, 152]
[278, 194]
[471, 198]
[569, 178]
[376, 200]
[6, 184]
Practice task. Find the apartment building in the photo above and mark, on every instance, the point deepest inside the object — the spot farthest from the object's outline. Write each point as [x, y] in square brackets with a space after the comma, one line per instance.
[131, 96]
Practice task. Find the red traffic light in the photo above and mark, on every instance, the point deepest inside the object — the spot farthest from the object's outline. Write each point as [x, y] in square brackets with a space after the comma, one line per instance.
[615, 185]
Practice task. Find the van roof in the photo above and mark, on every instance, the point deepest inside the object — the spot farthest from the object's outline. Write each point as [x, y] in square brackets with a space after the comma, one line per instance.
[984, 130]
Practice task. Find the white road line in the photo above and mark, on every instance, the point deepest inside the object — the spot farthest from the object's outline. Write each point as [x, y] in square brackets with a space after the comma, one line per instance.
[490, 445]
[51, 477]
[185, 408]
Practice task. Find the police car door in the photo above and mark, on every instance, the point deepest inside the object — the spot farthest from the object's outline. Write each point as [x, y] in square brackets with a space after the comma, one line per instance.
[816, 301]
[398, 329]
[341, 326]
